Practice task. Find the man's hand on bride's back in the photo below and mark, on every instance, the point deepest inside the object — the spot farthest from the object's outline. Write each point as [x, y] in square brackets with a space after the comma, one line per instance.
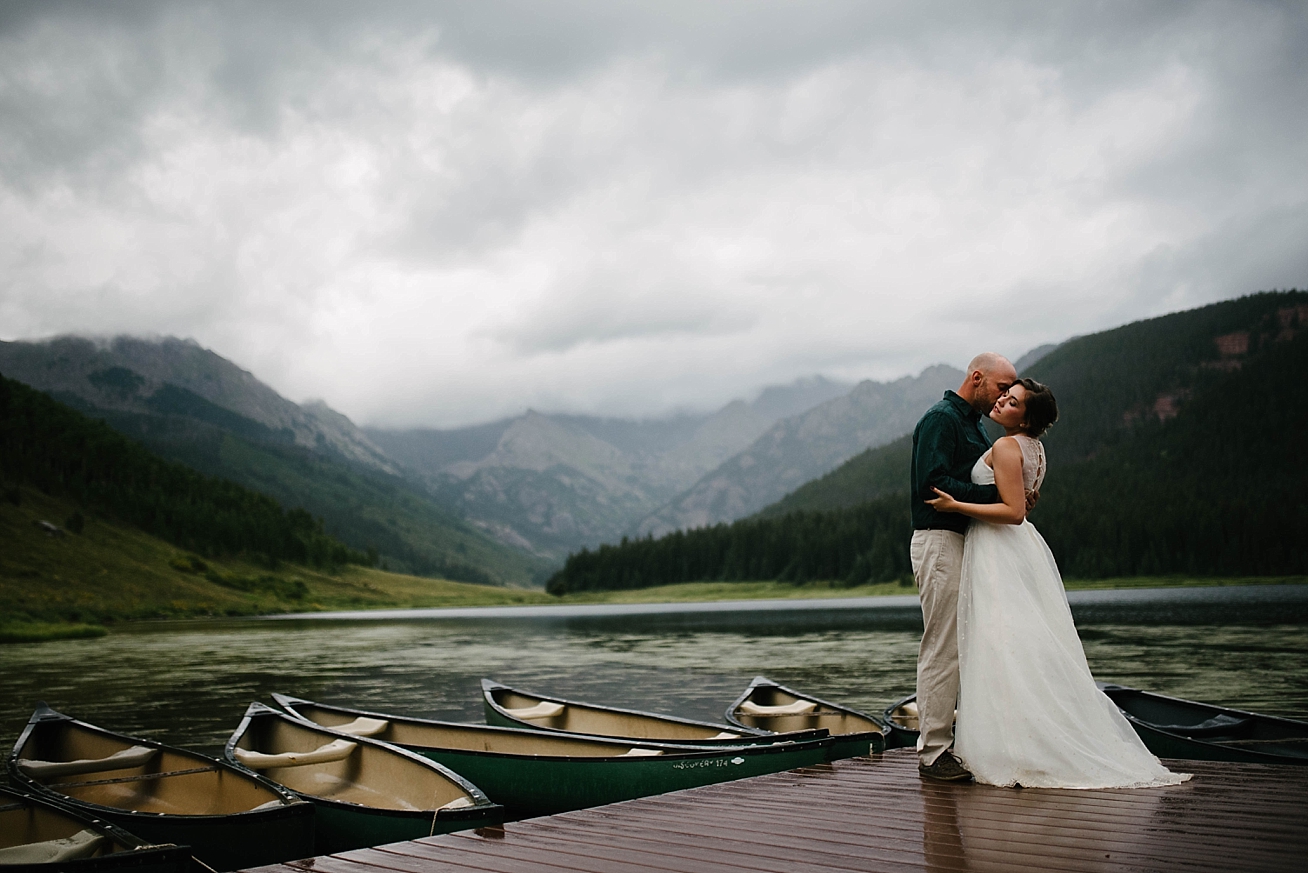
[1032, 497]
[943, 502]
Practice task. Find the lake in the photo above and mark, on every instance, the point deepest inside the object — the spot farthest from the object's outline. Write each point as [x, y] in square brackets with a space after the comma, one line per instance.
[188, 683]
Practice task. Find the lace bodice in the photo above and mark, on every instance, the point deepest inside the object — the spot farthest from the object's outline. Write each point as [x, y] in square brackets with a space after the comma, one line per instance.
[1033, 465]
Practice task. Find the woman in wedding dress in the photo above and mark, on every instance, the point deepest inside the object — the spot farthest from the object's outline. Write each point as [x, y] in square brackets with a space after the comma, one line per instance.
[1029, 713]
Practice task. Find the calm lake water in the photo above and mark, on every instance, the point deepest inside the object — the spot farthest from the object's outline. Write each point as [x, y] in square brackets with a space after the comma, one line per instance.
[188, 683]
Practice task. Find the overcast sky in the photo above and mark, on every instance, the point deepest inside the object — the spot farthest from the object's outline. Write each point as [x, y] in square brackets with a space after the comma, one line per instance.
[439, 214]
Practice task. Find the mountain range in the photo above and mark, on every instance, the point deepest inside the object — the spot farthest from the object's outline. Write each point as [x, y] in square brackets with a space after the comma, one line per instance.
[492, 502]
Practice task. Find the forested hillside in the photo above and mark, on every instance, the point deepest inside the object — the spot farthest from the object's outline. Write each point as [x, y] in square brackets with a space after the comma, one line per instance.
[189, 404]
[1180, 450]
[63, 453]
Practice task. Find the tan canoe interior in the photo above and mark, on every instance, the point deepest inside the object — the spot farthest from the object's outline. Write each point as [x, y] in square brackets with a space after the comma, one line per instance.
[905, 715]
[581, 719]
[772, 709]
[172, 782]
[31, 834]
[367, 775]
[474, 738]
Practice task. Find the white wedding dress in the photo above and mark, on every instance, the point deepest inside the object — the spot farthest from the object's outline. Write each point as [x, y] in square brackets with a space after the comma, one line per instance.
[1029, 712]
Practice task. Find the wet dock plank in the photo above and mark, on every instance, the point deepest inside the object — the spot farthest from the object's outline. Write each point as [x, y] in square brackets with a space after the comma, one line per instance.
[875, 814]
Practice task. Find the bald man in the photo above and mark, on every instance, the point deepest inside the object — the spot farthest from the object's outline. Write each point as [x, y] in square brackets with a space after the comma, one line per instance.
[947, 442]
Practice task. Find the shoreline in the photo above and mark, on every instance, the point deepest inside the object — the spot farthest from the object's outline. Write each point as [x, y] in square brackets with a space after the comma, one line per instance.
[684, 598]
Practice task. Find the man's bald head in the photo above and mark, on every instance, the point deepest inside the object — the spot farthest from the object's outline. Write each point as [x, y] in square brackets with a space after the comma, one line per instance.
[988, 376]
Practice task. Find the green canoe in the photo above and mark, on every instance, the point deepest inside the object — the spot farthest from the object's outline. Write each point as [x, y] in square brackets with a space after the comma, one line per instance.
[772, 707]
[229, 817]
[36, 836]
[1176, 728]
[365, 793]
[900, 719]
[511, 707]
[541, 773]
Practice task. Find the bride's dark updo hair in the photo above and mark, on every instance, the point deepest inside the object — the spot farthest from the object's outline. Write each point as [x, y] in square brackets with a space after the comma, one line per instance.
[1041, 408]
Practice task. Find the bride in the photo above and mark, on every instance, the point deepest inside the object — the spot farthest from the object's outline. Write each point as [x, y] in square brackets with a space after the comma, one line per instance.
[1029, 713]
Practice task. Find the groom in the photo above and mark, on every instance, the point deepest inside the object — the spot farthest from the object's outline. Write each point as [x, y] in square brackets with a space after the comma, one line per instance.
[947, 442]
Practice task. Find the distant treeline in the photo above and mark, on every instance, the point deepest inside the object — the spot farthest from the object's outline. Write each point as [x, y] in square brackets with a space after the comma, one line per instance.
[61, 452]
[866, 543]
[1219, 489]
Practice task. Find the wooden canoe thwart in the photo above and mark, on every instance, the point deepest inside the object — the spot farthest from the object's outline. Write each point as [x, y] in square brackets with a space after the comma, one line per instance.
[228, 816]
[541, 773]
[37, 836]
[511, 707]
[365, 792]
[772, 707]
[1176, 728]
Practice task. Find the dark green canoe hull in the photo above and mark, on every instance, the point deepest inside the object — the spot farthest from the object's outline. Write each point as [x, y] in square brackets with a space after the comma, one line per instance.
[528, 786]
[340, 827]
[227, 842]
[1175, 728]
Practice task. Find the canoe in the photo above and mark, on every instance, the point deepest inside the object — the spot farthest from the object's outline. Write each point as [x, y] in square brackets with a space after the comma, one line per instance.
[541, 773]
[1176, 728]
[36, 836]
[900, 719]
[229, 817]
[364, 792]
[511, 707]
[772, 707]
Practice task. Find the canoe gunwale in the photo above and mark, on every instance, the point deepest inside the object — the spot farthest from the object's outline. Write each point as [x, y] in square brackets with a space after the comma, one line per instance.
[481, 806]
[670, 751]
[754, 736]
[291, 806]
[764, 682]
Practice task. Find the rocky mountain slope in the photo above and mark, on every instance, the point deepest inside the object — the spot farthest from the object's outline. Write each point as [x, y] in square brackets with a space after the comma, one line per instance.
[555, 482]
[191, 405]
[804, 446]
[172, 376]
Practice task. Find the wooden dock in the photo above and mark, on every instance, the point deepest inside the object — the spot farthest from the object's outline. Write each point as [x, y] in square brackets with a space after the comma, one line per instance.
[875, 814]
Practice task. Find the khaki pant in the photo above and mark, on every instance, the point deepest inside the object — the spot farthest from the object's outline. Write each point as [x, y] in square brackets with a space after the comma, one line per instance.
[937, 557]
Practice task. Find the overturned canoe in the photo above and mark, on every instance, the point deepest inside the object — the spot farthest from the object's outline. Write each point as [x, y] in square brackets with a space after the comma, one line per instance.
[511, 707]
[900, 719]
[365, 792]
[229, 817]
[541, 773]
[1176, 728]
[37, 836]
[772, 707]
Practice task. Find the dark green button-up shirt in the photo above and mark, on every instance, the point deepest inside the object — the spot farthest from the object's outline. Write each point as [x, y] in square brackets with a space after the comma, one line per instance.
[946, 444]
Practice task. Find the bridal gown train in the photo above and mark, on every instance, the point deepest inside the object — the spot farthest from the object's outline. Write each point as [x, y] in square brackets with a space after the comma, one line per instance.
[1029, 712]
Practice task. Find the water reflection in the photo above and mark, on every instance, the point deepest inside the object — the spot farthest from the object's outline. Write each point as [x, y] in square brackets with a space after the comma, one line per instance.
[187, 683]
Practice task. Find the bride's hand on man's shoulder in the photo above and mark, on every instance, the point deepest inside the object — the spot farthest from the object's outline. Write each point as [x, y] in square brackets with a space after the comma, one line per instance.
[943, 502]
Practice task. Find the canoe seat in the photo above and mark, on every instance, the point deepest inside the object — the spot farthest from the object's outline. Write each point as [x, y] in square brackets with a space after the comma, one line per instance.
[136, 756]
[1218, 724]
[82, 844]
[336, 750]
[726, 735]
[641, 753]
[544, 709]
[799, 707]
[363, 727]
[458, 803]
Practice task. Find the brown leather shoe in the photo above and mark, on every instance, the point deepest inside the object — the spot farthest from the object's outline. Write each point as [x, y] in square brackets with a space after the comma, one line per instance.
[946, 768]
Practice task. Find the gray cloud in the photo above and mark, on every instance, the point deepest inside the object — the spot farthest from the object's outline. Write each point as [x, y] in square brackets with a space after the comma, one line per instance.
[441, 213]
